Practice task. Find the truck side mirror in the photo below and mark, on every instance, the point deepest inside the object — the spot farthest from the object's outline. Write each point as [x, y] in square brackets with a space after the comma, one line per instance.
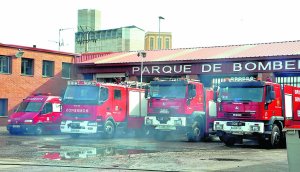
[215, 98]
[270, 94]
[192, 93]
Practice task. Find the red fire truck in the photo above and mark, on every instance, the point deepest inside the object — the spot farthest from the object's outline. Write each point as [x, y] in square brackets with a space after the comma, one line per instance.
[36, 114]
[254, 109]
[91, 107]
[182, 106]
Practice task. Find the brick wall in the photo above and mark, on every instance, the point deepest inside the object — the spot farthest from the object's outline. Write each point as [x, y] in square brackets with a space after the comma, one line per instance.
[15, 86]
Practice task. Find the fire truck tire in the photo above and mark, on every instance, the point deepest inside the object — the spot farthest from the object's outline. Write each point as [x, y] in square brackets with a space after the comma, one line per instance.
[197, 133]
[109, 130]
[275, 137]
[221, 138]
[229, 141]
[39, 130]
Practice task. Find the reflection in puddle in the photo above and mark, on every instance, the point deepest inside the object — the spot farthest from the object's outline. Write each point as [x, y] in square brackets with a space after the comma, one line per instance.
[76, 152]
[225, 159]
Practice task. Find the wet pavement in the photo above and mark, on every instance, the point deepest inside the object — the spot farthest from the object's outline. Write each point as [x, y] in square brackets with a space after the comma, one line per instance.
[91, 153]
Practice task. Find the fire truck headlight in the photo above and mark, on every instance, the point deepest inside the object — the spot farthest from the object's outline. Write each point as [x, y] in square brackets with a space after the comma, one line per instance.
[92, 124]
[28, 121]
[254, 128]
[9, 121]
[178, 122]
[149, 121]
[219, 126]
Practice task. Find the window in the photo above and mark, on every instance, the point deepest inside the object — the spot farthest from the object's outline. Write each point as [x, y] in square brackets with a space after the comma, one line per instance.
[151, 43]
[48, 68]
[167, 43]
[289, 80]
[117, 94]
[27, 66]
[3, 107]
[5, 64]
[47, 108]
[66, 70]
[159, 43]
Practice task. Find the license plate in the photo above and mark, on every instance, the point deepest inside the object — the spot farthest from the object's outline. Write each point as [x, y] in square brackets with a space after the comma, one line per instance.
[165, 111]
[236, 127]
[16, 126]
[165, 127]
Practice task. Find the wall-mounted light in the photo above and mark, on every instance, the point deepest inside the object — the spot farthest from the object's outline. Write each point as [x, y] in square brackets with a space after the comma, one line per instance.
[19, 53]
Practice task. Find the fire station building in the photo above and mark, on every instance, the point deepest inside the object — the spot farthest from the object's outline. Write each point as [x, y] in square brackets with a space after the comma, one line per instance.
[279, 61]
[28, 70]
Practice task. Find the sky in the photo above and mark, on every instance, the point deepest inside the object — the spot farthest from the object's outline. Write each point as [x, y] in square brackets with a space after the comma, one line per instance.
[193, 23]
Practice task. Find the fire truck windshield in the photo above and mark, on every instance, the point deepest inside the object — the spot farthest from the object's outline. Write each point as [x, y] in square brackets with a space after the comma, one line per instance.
[30, 107]
[251, 94]
[168, 91]
[84, 94]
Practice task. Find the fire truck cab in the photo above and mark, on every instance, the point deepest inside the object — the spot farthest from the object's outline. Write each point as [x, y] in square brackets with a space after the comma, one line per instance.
[37, 114]
[91, 107]
[180, 105]
[254, 109]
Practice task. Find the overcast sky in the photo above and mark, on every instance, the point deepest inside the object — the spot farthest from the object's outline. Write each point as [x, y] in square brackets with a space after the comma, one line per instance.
[193, 23]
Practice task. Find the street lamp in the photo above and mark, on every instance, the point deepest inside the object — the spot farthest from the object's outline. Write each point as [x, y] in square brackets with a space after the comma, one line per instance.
[143, 55]
[159, 41]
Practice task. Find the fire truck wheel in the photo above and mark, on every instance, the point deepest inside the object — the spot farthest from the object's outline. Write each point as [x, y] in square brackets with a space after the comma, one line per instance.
[221, 138]
[39, 130]
[229, 141]
[196, 134]
[275, 138]
[109, 130]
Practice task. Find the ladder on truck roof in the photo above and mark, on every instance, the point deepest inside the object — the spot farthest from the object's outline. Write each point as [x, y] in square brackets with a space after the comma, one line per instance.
[134, 84]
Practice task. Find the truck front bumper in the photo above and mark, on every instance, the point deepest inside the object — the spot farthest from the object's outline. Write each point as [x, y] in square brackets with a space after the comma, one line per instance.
[239, 127]
[172, 123]
[21, 128]
[79, 127]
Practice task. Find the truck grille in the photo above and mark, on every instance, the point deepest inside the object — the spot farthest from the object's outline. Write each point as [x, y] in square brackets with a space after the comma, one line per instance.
[163, 119]
[238, 115]
[236, 123]
[165, 111]
[72, 115]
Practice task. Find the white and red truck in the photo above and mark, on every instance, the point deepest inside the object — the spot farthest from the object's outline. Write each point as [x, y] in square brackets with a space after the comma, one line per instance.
[182, 106]
[38, 113]
[91, 107]
[254, 110]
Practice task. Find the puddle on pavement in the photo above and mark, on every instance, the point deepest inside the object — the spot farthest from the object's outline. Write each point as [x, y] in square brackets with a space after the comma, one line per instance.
[73, 152]
[10, 142]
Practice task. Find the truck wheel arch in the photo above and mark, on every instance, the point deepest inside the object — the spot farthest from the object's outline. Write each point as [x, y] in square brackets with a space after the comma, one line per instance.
[276, 120]
[198, 116]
